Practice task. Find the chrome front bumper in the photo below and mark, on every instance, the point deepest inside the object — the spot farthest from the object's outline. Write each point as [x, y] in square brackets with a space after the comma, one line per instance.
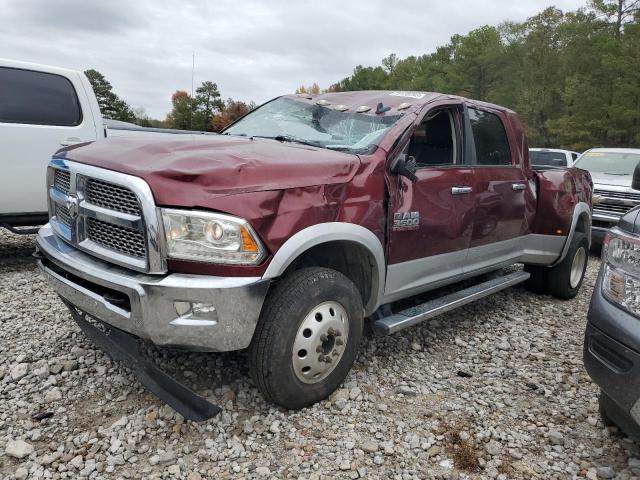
[144, 305]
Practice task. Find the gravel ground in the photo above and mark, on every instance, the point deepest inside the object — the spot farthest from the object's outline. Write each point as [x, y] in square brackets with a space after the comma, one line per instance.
[494, 390]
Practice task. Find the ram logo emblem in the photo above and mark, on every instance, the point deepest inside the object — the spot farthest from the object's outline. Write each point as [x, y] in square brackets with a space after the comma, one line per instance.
[72, 206]
[406, 220]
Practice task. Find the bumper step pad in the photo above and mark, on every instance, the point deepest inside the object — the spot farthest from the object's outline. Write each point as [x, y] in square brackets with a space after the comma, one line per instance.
[122, 347]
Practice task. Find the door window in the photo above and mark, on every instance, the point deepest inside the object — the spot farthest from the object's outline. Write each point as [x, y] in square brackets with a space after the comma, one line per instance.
[434, 141]
[37, 98]
[490, 137]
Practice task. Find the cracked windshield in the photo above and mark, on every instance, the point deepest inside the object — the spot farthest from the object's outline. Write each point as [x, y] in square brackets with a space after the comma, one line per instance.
[289, 120]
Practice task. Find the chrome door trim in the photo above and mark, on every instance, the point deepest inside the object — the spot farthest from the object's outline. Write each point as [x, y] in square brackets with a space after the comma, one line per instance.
[461, 190]
[416, 276]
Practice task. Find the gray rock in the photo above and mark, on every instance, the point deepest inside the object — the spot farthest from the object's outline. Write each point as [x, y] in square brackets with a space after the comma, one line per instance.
[21, 473]
[370, 446]
[55, 368]
[53, 395]
[69, 365]
[18, 449]
[556, 438]
[77, 462]
[167, 457]
[406, 390]
[605, 472]
[274, 427]
[494, 448]
[19, 371]
[263, 471]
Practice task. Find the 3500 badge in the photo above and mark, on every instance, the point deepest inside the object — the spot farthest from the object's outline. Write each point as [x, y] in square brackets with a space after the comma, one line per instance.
[406, 221]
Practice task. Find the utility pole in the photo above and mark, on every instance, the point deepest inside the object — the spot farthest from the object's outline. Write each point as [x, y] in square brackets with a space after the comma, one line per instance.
[193, 68]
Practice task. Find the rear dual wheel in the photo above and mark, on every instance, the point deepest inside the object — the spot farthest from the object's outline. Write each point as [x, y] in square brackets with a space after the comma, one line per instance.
[307, 337]
[565, 279]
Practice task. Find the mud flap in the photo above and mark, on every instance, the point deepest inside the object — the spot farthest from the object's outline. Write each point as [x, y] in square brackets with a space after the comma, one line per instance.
[122, 347]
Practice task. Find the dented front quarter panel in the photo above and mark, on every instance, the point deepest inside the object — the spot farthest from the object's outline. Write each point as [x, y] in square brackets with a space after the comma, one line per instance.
[279, 214]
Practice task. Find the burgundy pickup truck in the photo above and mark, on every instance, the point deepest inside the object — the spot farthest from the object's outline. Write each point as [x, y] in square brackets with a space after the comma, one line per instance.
[304, 220]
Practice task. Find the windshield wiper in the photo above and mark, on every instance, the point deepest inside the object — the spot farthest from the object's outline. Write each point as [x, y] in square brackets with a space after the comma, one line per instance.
[619, 174]
[291, 139]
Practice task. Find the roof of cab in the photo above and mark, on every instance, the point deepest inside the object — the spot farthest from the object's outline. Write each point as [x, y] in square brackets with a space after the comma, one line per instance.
[366, 101]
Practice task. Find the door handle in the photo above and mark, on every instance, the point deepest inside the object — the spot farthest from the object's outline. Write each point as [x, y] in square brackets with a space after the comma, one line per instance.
[460, 190]
[70, 141]
[518, 187]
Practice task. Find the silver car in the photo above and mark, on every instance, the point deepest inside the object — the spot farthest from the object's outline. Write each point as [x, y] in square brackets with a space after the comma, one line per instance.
[611, 170]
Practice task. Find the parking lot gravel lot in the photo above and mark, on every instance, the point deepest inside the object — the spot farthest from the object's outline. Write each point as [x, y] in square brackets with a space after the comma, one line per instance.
[493, 390]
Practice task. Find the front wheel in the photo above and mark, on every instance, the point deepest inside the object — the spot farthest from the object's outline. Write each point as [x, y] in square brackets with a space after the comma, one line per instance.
[307, 337]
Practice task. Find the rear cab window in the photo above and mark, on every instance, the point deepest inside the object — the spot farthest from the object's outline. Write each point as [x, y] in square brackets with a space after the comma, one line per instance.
[38, 98]
[541, 158]
[490, 137]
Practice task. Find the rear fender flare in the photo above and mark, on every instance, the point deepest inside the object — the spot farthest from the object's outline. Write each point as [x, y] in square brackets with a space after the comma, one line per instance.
[580, 209]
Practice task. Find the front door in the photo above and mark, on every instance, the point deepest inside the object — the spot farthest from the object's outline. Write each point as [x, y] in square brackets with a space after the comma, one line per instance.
[431, 220]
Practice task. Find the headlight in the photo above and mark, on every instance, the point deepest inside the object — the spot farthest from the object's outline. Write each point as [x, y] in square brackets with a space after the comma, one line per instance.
[621, 280]
[210, 237]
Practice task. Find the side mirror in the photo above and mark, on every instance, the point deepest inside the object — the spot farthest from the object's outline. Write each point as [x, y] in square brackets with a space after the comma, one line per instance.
[635, 182]
[405, 166]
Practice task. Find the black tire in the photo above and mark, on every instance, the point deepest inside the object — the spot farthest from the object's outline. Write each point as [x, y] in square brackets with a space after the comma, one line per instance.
[537, 282]
[559, 277]
[271, 350]
[602, 409]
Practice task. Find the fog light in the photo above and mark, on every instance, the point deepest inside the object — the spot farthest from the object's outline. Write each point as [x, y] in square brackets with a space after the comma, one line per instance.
[196, 311]
[182, 308]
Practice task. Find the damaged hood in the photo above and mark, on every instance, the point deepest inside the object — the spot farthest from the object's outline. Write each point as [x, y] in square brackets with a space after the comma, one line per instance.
[215, 165]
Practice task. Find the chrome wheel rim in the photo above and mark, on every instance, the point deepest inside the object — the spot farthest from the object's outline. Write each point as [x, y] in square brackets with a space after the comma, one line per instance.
[577, 267]
[320, 342]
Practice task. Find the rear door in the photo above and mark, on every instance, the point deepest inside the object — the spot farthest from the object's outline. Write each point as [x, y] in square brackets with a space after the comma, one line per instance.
[431, 220]
[39, 113]
[502, 192]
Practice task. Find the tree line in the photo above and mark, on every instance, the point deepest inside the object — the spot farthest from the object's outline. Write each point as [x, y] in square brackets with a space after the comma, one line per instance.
[573, 76]
[206, 111]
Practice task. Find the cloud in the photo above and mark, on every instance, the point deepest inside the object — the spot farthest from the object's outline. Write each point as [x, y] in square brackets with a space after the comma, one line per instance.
[253, 50]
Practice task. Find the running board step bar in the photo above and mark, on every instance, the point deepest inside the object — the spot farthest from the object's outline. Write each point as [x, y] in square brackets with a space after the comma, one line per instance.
[411, 316]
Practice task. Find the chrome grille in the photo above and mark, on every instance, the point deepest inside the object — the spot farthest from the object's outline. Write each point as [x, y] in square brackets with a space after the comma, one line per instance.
[611, 209]
[62, 180]
[107, 214]
[634, 197]
[615, 202]
[123, 240]
[112, 197]
[62, 213]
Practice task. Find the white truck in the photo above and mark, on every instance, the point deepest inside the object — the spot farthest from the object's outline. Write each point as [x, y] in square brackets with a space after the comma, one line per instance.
[42, 109]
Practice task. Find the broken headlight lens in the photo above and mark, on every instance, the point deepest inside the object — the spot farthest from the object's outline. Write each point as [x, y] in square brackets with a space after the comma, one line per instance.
[621, 271]
[210, 237]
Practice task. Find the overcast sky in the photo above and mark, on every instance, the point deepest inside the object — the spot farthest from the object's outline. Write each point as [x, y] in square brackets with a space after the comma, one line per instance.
[252, 50]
